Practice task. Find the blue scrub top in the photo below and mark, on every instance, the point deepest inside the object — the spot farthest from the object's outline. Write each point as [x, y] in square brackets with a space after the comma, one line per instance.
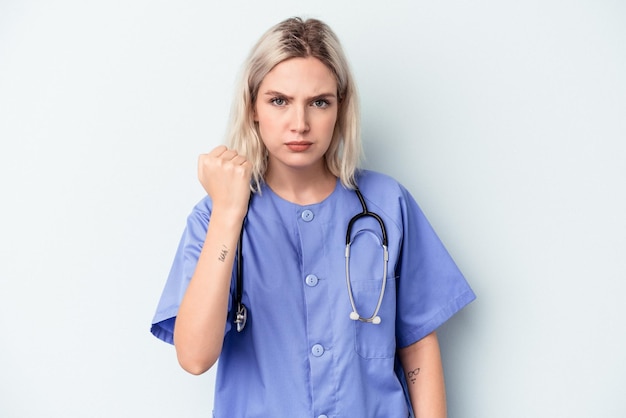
[300, 354]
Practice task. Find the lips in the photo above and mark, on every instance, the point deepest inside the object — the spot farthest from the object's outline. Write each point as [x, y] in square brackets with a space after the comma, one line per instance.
[298, 146]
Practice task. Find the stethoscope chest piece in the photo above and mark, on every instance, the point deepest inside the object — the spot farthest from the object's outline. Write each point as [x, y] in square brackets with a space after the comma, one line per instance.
[241, 317]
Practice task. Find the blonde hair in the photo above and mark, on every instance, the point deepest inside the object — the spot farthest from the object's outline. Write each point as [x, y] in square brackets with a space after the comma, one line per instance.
[297, 38]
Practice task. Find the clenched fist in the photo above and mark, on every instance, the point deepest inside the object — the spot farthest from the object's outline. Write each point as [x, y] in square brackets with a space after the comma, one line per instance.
[226, 176]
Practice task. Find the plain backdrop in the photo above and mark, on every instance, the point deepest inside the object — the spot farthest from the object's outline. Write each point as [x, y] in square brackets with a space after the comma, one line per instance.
[505, 119]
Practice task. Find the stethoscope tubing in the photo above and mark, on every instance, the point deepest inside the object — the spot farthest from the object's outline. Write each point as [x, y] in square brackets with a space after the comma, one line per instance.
[241, 311]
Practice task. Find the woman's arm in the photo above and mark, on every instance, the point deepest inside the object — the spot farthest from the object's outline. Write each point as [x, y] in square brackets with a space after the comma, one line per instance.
[201, 318]
[423, 371]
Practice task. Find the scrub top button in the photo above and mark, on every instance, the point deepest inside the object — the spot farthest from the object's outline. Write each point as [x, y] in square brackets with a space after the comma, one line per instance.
[323, 416]
[307, 215]
[311, 280]
[317, 350]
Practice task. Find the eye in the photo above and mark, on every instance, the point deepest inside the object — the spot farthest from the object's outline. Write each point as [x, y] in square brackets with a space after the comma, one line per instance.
[321, 103]
[278, 101]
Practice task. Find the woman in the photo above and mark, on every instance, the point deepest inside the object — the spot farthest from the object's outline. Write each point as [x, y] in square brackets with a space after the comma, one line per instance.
[329, 333]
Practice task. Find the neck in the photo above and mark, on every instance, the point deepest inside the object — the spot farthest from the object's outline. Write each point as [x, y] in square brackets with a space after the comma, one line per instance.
[302, 187]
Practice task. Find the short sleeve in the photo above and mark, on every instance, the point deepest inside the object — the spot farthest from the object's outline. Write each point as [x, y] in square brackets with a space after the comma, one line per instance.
[430, 287]
[181, 271]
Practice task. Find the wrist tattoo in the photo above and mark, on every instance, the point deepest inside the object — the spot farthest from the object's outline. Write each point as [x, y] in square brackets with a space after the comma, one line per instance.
[223, 253]
[412, 375]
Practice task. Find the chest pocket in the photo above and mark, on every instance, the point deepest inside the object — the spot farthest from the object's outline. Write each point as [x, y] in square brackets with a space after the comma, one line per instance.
[366, 278]
[375, 340]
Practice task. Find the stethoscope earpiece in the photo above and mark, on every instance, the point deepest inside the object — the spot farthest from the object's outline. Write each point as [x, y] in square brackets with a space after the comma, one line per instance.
[355, 317]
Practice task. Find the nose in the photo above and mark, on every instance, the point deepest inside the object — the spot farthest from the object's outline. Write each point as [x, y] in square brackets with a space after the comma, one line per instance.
[299, 119]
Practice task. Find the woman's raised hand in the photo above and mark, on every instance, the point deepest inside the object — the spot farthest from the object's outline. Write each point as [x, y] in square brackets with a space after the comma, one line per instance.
[226, 176]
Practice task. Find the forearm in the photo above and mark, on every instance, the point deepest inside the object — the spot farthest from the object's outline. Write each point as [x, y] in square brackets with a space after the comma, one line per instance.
[423, 370]
[201, 319]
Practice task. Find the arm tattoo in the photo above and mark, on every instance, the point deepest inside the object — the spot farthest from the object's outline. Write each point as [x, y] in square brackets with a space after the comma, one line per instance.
[223, 253]
[412, 375]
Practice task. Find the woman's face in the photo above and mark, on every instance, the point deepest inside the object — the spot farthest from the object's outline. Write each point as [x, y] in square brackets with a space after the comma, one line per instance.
[296, 111]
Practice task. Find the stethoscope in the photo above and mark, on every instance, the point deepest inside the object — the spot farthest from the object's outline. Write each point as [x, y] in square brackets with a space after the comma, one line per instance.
[354, 315]
[241, 311]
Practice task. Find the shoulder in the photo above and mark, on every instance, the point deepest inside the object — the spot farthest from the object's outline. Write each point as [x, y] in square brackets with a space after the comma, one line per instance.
[380, 186]
[204, 205]
[387, 196]
[201, 212]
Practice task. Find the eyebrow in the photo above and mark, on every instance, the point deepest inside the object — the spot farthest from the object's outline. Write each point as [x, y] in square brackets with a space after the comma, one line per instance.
[317, 96]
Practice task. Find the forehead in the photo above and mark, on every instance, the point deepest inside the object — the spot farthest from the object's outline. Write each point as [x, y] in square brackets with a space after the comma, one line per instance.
[300, 74]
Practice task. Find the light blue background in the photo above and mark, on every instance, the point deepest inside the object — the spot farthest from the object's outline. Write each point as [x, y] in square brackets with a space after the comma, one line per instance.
[505, 119]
